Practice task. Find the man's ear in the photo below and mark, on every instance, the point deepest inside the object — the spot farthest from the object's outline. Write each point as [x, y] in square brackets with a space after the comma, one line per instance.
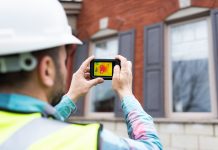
[46, 70]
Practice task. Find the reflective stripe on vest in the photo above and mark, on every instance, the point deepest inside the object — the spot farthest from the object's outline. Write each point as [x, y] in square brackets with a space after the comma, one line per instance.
[30, 133]
[40, 133]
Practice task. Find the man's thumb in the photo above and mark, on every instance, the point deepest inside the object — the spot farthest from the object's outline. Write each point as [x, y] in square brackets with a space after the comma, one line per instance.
[116, 72]
[96, 81]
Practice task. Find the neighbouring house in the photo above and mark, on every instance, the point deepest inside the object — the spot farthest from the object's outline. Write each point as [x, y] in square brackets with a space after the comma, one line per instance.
[173, 45]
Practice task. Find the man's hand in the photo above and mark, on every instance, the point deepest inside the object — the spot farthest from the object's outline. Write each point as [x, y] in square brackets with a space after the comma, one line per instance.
[122, 78]
[81, 82]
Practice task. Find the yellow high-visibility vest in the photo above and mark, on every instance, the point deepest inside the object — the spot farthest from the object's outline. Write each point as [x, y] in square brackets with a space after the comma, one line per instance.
[32, 132]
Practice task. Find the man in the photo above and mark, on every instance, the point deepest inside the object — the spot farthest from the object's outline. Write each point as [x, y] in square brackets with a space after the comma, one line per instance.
[34, 39]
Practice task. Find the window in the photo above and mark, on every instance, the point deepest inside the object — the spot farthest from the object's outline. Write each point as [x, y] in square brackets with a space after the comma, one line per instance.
[102, 97]
[190, 62]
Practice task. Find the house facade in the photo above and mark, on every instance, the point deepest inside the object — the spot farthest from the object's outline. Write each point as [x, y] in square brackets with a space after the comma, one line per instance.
[173, 45]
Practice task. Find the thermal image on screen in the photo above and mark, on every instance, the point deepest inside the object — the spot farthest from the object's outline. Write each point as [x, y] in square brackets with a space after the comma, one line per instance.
[103, 68]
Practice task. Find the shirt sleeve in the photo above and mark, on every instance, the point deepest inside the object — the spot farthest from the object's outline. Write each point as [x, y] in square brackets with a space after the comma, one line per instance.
[65, 107]
[141, 130]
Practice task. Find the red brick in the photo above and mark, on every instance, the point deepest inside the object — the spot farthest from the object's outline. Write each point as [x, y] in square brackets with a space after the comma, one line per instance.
[204, 3]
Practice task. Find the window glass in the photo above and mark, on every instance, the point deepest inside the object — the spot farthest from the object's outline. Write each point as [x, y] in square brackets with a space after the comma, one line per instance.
[102, 96]
[190, 72]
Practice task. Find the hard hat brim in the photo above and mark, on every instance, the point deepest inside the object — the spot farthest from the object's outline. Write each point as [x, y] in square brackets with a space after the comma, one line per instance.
[75, 41]
[31, 44]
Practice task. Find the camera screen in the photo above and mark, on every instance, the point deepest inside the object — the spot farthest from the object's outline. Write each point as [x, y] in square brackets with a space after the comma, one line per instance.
[103, 69]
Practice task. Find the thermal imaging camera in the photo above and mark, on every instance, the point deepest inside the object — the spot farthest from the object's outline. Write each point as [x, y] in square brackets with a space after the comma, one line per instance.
[103, 68]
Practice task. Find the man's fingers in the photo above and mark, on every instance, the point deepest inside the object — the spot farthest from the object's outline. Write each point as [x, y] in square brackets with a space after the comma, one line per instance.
[87, 70]
[123, 61]
[129, 65]
[87, 76]
[96, 81]
[86, 63]
[120, 57]
[116, 73]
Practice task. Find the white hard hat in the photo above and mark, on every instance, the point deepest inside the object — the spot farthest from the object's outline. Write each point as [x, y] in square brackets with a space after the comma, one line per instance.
[30, 25]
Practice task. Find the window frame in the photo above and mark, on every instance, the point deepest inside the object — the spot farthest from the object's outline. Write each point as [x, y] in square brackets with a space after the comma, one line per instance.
[168, 71]
[87, 112]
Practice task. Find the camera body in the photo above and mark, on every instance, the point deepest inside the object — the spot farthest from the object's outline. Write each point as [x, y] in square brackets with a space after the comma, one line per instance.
[103, 68]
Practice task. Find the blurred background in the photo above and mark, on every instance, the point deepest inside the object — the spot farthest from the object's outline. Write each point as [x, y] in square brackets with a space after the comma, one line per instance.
[173, 46]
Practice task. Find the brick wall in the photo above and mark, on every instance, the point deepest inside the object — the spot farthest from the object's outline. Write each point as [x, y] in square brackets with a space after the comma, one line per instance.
[185, 136]
[127, 14]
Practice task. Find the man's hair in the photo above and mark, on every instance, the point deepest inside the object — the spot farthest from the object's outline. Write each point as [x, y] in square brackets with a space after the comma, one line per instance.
[17, 79]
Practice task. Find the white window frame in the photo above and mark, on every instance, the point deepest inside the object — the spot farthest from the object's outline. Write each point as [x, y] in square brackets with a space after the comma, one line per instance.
[168, 72]
[88, 113]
